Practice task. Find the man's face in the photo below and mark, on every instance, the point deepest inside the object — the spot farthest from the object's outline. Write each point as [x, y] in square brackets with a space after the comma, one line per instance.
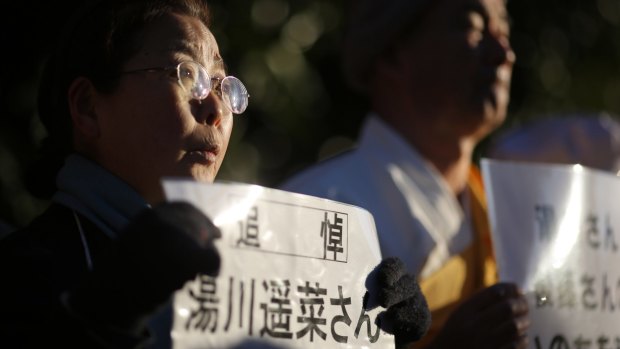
[149, 126]
[458, 65]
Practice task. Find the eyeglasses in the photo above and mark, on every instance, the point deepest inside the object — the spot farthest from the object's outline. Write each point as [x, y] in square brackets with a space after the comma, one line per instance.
[195, 80]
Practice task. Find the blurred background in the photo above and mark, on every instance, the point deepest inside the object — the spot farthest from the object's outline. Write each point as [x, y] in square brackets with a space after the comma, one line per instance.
[287, 54]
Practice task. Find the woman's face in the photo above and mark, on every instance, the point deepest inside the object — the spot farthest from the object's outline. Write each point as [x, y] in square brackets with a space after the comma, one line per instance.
[149, 126]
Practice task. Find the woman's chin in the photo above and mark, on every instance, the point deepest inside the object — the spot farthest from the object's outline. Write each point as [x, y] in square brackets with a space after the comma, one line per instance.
[202, 174]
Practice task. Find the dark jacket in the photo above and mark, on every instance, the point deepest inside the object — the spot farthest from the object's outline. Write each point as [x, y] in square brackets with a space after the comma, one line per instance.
[38, 266]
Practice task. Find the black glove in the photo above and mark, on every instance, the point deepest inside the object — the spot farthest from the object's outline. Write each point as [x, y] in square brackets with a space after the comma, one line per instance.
[160, 250]
[407, 316]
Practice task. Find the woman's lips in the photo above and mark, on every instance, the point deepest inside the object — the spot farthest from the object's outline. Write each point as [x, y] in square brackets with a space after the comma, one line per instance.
[203, 156]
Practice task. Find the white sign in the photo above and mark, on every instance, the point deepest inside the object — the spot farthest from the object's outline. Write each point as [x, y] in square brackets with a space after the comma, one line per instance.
[293, 271]
[556, 233]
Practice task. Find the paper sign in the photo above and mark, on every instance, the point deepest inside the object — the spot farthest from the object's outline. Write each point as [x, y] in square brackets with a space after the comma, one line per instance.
[556, 234]
[293, 271]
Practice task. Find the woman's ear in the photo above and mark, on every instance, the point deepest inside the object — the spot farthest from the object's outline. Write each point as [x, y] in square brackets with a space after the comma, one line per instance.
[81, 99]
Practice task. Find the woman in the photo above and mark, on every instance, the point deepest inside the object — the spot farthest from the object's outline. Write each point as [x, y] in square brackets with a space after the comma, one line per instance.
[136, 91]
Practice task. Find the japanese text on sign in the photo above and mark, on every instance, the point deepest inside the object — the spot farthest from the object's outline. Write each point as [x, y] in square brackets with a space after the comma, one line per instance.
[293, 271]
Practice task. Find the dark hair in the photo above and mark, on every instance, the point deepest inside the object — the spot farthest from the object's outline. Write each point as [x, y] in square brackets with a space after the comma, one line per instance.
[98, 39]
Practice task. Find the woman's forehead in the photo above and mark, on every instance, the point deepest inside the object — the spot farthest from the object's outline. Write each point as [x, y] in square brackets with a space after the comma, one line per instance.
[179, 36]
[202, 46]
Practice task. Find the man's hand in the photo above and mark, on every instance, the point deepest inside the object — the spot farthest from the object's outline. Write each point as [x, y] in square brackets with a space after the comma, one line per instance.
[494, 318]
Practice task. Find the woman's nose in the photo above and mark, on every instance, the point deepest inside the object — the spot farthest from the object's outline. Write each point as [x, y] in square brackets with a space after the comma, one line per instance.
[210, 110]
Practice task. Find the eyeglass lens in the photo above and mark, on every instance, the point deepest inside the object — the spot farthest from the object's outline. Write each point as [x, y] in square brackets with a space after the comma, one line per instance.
[191, 77]
[196, 81]
[235, 95]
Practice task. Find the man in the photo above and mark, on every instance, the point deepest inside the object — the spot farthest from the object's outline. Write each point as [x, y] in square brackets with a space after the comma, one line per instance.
[437, 75]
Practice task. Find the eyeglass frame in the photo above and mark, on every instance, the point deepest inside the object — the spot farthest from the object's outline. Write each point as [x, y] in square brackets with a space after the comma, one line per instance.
[217, 86]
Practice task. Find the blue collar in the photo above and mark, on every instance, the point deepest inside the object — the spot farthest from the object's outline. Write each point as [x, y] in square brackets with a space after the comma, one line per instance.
[94, 192]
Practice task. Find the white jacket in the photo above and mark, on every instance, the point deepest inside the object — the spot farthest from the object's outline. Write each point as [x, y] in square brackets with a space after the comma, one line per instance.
[418, 218]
